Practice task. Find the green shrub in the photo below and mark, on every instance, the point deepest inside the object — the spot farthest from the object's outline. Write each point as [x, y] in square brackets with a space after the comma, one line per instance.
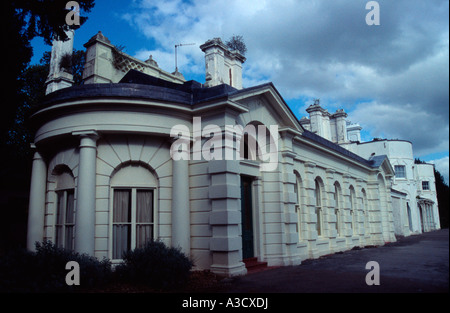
[155, 265]
[45, 270]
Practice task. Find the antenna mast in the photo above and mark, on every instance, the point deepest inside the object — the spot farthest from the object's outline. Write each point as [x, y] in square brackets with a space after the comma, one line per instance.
[176, 47]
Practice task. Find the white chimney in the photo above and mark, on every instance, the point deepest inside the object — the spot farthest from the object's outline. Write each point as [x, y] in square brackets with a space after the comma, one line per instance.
[320, 120]
[222, 65]
[58, 77]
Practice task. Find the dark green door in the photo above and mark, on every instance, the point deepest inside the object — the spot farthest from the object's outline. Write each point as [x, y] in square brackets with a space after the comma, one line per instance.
[247, 217]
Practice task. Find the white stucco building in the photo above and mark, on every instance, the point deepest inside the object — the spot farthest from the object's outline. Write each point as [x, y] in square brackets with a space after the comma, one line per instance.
[104, 179]
[413, 192]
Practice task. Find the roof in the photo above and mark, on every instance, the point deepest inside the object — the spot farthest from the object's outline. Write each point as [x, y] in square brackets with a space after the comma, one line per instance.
[374, 162]
[138, 85]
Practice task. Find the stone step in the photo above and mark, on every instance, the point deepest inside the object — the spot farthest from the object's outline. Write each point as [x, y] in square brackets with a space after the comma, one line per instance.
[253, 265]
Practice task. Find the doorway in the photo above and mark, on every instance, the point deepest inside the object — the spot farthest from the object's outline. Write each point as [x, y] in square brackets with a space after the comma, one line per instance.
[247, 217]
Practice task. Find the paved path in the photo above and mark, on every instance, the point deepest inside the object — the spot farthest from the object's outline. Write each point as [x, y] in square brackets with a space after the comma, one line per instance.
[418, 263]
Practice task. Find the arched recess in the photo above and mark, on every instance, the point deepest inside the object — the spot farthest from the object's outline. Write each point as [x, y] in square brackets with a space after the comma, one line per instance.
[133, 207]
[353, 209]
[382, 196]
[319, 197]
[298, 190]
[366, 211]
[257, 142]
[338, 211]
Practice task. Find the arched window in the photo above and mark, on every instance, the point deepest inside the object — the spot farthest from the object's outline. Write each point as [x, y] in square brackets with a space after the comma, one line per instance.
[408, 210]
[133, 208]
[337, 208]
[353, 209]
[318, 197]
[298, 206]
[247, 153]
[364, 207]
[65, 213]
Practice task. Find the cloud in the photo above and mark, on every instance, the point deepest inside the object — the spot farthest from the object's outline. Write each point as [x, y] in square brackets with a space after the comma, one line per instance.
[392, 79]
[428, 131]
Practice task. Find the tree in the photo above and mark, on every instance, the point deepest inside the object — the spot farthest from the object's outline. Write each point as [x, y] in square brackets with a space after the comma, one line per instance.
[237, 43]
[32, 93]
[21, 21]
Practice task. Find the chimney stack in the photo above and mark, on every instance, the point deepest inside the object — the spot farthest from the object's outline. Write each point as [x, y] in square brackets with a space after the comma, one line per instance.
[60, 77]
[222, 65]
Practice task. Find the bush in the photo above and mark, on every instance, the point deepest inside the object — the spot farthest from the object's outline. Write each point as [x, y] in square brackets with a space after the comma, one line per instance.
[45, 270]
[155, 265]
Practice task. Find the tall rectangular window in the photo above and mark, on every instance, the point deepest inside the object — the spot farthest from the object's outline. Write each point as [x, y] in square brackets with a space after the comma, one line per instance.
[298, 206]
[318, 209]
[337, 210]
[132, 219]
[425, 185]
[65, 219]
[121, 222]
[400, 171]
[144, 216]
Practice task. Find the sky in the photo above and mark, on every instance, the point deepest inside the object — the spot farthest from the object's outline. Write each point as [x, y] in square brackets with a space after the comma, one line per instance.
[392, 78]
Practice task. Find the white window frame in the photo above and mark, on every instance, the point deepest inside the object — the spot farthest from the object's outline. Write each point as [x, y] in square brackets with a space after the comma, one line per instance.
[427, 185]
[337, 210]
[133, 219]
[318, 208]
[397, 173]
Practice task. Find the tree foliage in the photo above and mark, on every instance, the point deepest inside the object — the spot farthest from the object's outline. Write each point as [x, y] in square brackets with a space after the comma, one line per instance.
[47, 18]
[23, 20]
[237, 43]
[33, 92]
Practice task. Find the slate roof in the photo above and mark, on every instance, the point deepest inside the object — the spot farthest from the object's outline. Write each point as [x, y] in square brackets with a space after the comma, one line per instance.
[138, 85]
[374, 162]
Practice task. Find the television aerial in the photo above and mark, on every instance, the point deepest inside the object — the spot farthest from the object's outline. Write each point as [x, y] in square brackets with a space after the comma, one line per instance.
[176, 57]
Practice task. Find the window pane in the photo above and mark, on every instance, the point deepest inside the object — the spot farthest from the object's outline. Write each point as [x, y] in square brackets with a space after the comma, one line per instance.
[317, 194]
[121, 219]
[70, 207]
[122, 206]
[143, 234]
[144, 206]
[69, 238]
[121, 240]
[60, 208]
[318, 224]
[58, 236]
[400, 171]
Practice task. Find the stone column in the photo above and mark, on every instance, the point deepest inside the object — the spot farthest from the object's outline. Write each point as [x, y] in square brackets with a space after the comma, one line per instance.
[181, 221]
[36, 211]
[85, 210]
[290, 255]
